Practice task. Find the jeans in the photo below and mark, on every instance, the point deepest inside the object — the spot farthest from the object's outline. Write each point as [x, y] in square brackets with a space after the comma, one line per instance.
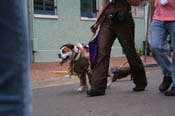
[159, 31]
[15, 91]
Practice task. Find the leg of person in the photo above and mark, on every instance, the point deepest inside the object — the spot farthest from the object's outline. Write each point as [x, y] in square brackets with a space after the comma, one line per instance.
[158, 45]
[125, 35]
[171, 28]
[100, 71]
[15, 91]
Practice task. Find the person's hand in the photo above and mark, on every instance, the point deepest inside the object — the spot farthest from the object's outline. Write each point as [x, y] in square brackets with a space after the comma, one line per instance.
[94, 28]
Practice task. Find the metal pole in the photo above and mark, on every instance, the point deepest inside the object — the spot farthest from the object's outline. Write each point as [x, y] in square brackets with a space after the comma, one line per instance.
[30, 27]
[147, 30]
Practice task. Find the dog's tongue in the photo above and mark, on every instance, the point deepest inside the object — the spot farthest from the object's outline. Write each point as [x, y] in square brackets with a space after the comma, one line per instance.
[61, 63]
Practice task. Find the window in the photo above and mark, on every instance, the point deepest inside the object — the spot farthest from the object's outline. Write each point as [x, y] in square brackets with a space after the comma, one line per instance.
[46, 7]
[89, 8]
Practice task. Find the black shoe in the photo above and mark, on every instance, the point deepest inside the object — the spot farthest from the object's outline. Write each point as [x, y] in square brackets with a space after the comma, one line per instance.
[114, 79]
[139, 88]
[165, 84]
[92, 93]
[171, 92]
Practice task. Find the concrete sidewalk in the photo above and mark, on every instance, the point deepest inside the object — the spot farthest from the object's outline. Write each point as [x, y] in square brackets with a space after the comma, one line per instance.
[44, 71]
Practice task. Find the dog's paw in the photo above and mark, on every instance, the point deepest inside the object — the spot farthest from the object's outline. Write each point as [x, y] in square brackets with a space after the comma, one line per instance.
[82, 89]
[109, 82]
[68, 76]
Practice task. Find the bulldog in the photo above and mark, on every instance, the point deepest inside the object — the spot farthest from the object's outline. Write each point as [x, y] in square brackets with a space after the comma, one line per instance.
[78, 57]
[120, 72]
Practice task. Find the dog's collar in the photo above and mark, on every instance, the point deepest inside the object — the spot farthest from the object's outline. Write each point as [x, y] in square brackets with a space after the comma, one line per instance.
[77, 56]
[78, 60]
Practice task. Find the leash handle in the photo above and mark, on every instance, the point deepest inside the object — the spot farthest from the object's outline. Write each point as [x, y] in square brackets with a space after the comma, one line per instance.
[96, 33]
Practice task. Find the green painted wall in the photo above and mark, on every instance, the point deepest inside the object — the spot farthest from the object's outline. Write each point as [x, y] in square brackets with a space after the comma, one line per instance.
[49, 34]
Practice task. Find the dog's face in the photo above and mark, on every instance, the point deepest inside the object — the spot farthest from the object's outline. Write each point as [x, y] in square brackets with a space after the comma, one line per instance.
[67, 52]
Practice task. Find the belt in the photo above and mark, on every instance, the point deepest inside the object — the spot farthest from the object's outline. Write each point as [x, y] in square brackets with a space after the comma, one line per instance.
[115, 1]
[121, 2]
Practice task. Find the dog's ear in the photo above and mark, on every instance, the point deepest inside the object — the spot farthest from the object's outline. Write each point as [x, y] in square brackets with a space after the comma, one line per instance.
[71, 46]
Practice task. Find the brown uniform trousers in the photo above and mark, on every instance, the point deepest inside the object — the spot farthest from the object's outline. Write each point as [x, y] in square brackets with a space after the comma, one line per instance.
[110, 30]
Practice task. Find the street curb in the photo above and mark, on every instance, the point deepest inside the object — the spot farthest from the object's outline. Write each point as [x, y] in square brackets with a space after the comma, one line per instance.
[54, 82]
[150, 65]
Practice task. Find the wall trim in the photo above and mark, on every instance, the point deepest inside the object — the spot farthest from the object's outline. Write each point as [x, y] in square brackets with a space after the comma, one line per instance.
[46, 16]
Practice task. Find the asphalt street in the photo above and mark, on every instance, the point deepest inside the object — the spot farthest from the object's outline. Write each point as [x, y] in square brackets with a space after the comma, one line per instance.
[120, 100]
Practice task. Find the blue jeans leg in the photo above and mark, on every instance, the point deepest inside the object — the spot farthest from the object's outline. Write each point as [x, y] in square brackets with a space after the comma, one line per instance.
[15, 91]
[159, 46]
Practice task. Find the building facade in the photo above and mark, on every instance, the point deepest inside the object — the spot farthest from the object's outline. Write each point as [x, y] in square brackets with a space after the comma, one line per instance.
[53, 23]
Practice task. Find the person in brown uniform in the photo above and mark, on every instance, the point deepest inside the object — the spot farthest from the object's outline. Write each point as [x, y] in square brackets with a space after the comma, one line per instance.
[116, 21]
